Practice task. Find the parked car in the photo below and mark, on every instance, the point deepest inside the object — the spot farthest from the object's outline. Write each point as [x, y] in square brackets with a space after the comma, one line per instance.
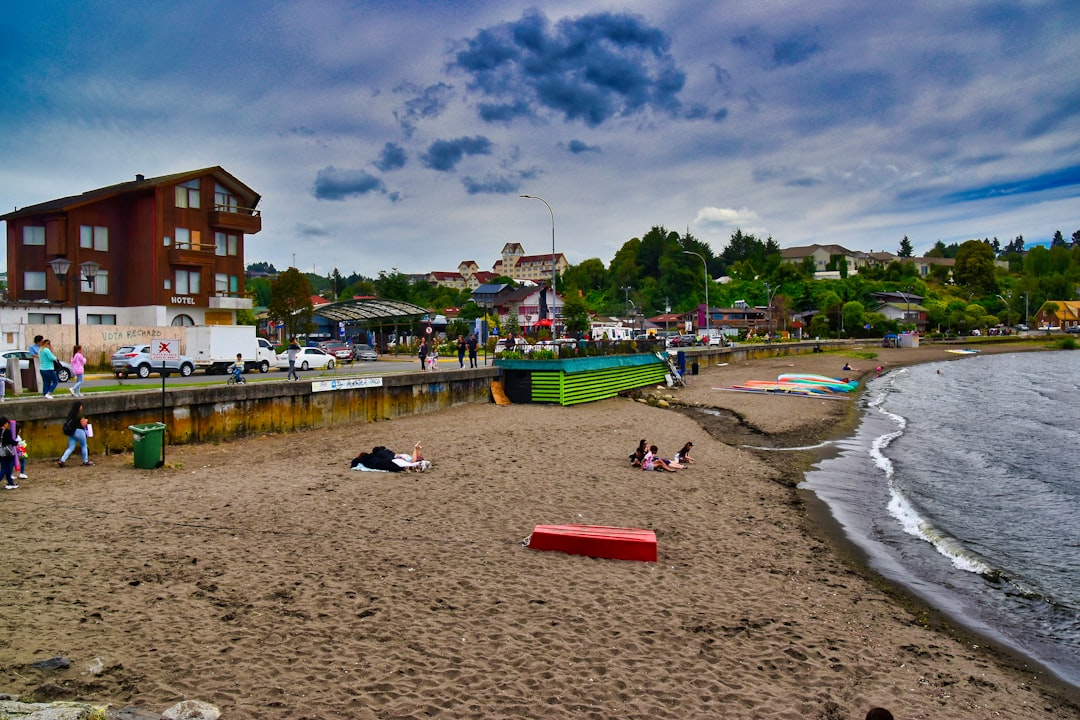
[338, 349]
[306, 359]
[63, 370]
[364, 352]
[1073, 329]
[135, 359]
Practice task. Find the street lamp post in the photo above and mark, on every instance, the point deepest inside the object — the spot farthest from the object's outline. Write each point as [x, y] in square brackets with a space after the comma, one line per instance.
[770, 293]
[87, 272]
[553, 293]
[1006, 309]
[708, 315]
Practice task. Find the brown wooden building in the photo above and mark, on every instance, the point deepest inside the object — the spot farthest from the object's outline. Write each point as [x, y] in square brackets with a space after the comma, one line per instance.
[169, 250]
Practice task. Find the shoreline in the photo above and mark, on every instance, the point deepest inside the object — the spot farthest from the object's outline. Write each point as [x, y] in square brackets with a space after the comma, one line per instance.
[266, 578]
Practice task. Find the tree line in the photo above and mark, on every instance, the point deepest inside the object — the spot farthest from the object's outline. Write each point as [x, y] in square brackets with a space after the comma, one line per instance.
[665, 271]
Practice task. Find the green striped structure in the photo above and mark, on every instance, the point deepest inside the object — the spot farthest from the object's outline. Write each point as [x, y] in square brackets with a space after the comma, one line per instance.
[578, 380]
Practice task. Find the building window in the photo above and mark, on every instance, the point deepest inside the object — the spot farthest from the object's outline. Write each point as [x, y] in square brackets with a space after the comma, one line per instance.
[187, 194]
[43, 318]
[223, 199]
[187, 282]
[221, 283]
[101, 283]
[168, 284]
[220, 244]
[182, 321]
[92, 319]
[234, 244]
[188, 239]
[94, 237]
[34, 281]
[234, 284]
[33, 235]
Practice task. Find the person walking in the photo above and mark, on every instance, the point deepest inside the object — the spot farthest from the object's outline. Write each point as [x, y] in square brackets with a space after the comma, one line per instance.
[48, 369]
[75, 429]
[78, 366]
[471, 343]
[294, 350]
[422, 353]
[461, 351]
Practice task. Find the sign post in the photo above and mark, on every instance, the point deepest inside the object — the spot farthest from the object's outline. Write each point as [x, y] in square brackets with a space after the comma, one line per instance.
[163, 350]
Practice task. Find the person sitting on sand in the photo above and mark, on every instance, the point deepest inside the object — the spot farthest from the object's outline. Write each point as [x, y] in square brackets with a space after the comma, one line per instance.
[683, 456]
[847, 366]
[652, 461]
[638, 455]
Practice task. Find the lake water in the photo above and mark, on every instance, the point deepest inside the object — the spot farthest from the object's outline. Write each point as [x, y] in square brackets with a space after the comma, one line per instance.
[961, 484]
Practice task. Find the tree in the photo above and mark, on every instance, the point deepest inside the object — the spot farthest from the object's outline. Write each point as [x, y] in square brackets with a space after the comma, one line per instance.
[1058, 240]
[575, 314]
[1076, 239]
[974, 268]
[906, 250]
[290, 302]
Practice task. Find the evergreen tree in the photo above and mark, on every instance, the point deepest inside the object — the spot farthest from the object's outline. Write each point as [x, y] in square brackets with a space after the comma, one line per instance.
[906, 250]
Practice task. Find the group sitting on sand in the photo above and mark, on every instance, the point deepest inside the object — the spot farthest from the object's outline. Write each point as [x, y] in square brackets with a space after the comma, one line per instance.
[381, 458]
[647, 457]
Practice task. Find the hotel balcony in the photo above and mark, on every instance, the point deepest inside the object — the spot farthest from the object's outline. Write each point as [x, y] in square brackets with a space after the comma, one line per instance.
[231, 217]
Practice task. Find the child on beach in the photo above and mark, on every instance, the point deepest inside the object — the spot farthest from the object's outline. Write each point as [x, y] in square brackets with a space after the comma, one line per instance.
[683, 456]
[7, 454]
[654, 462]
[20, 457]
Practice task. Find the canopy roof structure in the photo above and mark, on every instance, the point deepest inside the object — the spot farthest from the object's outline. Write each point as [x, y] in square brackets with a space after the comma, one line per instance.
[370, 311]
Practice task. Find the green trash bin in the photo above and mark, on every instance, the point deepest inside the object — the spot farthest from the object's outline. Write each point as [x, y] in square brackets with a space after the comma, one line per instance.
[148, 440]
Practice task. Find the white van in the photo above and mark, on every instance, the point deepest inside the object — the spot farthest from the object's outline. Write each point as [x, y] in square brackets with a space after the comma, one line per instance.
[600, 331]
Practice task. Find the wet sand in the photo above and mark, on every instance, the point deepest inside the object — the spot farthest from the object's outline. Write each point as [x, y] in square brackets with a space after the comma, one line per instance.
[265, 577]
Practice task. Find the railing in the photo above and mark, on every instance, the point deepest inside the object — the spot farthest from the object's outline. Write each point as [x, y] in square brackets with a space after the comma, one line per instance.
[237, 210]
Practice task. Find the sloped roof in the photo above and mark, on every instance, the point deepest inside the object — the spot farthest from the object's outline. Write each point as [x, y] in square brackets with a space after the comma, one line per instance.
[139, 184]
[369, 310]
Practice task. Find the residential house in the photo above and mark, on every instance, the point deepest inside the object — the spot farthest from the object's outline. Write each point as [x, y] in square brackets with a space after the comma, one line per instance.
[156, 251]
[526, 304]
[903, 307]
[1058, 314]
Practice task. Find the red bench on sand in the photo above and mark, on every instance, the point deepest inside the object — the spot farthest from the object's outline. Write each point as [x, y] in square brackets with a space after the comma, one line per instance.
[596, 541]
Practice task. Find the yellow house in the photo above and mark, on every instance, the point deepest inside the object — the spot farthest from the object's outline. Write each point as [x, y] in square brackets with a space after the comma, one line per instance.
[1058, 314]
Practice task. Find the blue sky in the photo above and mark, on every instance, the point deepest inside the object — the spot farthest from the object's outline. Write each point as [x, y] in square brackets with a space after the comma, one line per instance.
[389, 135]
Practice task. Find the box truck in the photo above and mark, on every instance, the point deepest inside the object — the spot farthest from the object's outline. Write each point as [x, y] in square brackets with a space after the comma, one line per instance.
[214, 347]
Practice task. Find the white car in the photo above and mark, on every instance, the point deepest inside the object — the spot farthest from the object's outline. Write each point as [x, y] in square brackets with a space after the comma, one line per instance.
[307, 358]
[63, 372]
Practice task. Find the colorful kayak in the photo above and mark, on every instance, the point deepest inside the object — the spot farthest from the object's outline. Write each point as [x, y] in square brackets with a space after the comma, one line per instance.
[837, 384]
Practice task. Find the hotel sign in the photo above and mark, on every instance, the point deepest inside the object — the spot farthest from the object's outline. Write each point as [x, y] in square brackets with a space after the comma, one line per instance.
[182, 300]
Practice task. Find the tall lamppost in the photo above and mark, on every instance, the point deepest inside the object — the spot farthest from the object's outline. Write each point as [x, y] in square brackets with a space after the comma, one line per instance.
[553, 293]
[770, 293]
[1006, 309]
[87, 272]
[708, 315]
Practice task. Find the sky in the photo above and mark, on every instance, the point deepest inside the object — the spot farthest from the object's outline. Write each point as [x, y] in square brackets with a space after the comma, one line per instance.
[400, 135]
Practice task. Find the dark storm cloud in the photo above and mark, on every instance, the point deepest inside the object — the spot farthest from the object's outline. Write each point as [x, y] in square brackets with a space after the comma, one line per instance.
[444, 155]
[425, 104]
[493, 184]
[503, 112]
[392, 157]
[334, 184]
[577, 147]
[588, 68]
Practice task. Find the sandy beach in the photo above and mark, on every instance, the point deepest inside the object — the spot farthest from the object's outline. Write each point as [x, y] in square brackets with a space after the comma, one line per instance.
[265, 577]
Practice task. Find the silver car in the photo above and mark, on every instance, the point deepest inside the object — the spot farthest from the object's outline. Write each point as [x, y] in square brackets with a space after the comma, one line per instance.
[135, 359]
[364, 352]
